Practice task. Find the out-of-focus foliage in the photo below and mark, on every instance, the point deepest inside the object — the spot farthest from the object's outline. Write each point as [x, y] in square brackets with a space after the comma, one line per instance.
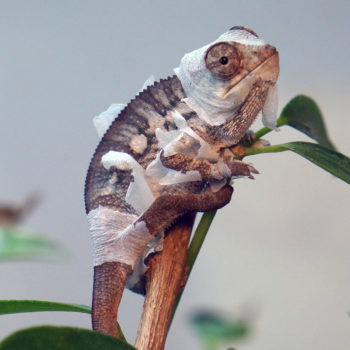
[19, 306]
[19, 245]
[61, 338]
[215, 330]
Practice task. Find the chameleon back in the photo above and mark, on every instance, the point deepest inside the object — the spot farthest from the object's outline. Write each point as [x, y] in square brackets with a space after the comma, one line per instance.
[132, 132]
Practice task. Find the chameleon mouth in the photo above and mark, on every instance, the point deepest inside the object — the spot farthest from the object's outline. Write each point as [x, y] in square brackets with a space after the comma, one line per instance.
[267, 70]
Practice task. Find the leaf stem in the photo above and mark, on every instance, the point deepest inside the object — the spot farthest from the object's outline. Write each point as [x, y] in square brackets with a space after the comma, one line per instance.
[198, 238]
[261, 132]
[249, 151]
[265, 130]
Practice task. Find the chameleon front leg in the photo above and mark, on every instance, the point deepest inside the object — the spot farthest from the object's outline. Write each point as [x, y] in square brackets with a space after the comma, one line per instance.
[225, 167]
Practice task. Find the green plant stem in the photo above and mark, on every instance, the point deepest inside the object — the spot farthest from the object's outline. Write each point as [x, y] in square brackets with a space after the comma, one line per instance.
[261, 132]
[198, 239]
[249, 151]
[265, 130]
[194, 248]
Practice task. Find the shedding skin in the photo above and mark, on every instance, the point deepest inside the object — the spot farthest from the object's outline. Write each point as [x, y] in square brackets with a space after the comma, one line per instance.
[187, 123]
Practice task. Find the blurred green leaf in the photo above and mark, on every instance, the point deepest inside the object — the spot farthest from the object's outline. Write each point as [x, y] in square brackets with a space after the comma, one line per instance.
[334, 162]
[18, 306]
[15, 244]
[214, 329]
[303, 114]
[61, 338]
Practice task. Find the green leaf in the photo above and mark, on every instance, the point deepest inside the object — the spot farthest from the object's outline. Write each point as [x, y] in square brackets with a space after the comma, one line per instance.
[214, 329]
[61, 338]
[15, 244]
[18, 306]
[303, 114]
[331, 161]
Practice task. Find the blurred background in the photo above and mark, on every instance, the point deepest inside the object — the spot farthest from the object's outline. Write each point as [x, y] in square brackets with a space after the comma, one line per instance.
[278, 253]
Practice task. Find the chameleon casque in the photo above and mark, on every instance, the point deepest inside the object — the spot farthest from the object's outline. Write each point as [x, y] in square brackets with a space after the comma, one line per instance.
[168, 152]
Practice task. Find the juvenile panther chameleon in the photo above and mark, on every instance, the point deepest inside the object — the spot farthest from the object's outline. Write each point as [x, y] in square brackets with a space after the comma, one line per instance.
[168, 152]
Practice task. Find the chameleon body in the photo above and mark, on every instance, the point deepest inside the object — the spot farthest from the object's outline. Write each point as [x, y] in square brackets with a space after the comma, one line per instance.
[168, 153]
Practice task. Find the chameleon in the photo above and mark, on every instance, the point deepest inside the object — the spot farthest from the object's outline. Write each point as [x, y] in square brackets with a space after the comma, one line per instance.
[169, 152]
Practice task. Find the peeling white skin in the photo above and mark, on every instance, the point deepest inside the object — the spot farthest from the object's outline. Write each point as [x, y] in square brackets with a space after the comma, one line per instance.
[149, 81]
[205, 151]
[269, 112]
[165, 176]
[205, 93]
[139, 194]
[103, 121]
[115, 237]
[155, 245]
[170, 141]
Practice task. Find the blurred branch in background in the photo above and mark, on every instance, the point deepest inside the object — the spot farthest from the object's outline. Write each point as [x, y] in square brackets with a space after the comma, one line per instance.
[13, 214]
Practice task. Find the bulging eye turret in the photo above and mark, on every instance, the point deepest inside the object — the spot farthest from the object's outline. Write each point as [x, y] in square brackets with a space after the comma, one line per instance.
[223, 60]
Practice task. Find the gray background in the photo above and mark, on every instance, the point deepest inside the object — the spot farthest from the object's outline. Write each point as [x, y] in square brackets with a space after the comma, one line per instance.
[279, 252]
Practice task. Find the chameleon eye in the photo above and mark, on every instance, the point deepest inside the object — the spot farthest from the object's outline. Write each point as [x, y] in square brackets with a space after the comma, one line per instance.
[223, 60]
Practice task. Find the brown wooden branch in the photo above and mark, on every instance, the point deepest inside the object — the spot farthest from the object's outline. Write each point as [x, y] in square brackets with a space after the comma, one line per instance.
[165, 278]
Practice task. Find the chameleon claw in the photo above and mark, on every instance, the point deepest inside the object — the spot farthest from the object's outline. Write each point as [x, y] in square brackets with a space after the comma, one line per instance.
[239, 168]
[253, 170]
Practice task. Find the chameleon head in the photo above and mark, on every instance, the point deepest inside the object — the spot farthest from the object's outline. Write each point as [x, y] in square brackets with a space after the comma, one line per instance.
[218, 77]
